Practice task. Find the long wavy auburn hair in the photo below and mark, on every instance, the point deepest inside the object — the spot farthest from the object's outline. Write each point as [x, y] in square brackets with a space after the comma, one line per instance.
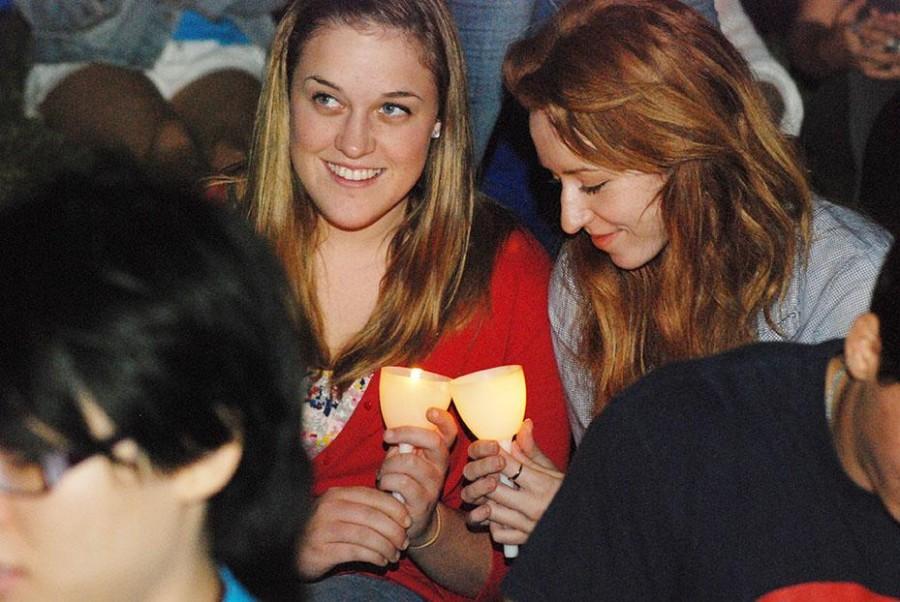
[649, 85]
[434, 280]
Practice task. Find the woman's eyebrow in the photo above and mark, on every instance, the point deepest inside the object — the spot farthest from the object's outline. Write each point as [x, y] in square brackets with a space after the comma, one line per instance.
[393, 94]
[323, 81]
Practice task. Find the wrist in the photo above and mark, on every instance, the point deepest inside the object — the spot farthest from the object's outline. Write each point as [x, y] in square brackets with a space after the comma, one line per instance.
[431, 534]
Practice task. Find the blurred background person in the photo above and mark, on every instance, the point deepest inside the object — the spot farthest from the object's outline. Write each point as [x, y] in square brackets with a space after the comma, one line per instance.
[781, 91]
[880, 186]
[851, 52]
[148, 402]
[173, 84]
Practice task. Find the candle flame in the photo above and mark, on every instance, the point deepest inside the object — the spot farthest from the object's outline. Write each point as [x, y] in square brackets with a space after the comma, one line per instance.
[415, 373]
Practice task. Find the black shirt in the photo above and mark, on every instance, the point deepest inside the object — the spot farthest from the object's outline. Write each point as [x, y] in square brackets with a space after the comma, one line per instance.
[714, 479]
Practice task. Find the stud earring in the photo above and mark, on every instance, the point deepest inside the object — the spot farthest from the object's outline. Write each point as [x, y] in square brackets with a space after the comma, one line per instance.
[436, 132]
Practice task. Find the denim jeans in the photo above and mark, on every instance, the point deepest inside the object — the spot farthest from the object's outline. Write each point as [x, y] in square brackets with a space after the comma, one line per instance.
[486, 29]
[354, 587]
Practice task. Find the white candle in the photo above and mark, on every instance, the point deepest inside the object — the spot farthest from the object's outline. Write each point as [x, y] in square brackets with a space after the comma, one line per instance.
[492, 404]
[406, 394]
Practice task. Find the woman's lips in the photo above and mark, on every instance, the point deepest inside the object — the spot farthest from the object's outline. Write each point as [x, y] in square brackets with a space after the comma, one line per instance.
[353, 176]
[602, 241]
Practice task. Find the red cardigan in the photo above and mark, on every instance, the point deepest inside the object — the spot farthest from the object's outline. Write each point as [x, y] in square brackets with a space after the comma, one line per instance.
[515, 330]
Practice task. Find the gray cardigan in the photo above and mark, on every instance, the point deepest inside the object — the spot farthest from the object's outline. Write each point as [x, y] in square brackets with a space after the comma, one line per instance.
[846, 253]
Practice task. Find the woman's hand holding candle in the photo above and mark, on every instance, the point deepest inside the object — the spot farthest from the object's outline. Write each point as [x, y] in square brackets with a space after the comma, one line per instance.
[406, 394]
[492, 404]
[511, 513]
[419, 476]
[353, 524]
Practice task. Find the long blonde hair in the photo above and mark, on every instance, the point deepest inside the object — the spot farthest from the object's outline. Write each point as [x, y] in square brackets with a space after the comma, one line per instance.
[649, 85]
[432, 280]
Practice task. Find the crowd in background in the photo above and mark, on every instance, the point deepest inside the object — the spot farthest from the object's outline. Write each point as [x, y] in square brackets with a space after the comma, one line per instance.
[675, 216]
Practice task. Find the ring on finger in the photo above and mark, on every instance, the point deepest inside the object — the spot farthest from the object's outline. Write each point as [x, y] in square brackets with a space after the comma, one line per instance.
[518, 472]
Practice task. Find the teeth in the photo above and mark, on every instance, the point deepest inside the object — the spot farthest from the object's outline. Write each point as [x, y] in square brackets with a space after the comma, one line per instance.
[355, 175]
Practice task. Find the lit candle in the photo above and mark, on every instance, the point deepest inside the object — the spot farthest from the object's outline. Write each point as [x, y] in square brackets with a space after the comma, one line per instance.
[406, 394]
[492, 404]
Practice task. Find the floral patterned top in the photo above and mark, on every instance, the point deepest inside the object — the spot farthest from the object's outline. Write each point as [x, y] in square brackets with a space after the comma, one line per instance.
[324, 412]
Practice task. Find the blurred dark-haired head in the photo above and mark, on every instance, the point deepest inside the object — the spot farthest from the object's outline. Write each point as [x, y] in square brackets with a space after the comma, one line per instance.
[170, 317]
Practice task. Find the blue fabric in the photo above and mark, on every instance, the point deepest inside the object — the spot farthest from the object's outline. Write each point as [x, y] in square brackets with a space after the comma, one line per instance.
[234, 591]
[706, 8]
[513, 178]
[353, 587]
[194, 26]
[486, 29]
[129, 33]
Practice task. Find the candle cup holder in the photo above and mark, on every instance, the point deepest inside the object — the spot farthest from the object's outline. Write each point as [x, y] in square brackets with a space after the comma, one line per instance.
[406, 394]
[492, 404]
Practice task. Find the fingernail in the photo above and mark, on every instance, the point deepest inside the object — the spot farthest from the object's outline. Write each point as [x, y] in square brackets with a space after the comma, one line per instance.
[405, 544]
[407, 521]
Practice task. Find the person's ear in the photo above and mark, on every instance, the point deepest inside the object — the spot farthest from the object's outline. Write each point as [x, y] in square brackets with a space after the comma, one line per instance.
[208, 475]
[862, 348]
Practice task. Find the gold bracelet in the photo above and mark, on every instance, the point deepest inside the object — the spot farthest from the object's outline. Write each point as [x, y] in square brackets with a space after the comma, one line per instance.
[437, 531]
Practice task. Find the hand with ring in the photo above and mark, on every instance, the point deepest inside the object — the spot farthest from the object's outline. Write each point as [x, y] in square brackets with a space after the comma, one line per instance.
[518, 472]
[510, 513]
[869, 39]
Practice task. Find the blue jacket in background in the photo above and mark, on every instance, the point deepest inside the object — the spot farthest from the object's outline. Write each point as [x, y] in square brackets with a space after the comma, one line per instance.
[131, 33]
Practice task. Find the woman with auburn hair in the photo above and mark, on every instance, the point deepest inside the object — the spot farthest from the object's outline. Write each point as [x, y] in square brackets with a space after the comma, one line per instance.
[361, 175]
[693, 227]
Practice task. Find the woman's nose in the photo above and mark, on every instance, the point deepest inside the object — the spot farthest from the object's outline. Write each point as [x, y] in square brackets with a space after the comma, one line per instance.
[355, 137]
[574, 214]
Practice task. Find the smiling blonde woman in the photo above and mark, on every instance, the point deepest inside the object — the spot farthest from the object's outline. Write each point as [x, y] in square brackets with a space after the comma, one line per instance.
[361, 175]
